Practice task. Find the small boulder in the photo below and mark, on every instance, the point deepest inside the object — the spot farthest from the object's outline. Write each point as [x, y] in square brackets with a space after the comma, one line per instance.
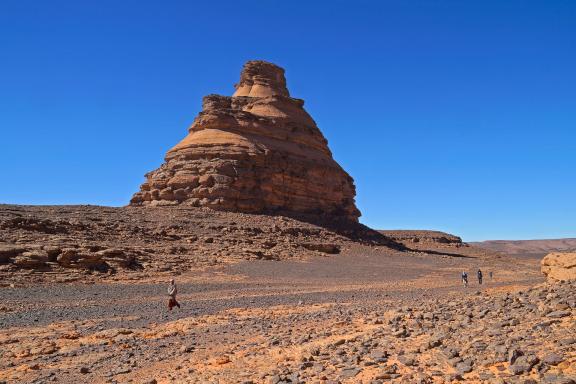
[32, 259]
[523, 364]
[324, 248]
[553, 359]
[67, 256]
[8, 251]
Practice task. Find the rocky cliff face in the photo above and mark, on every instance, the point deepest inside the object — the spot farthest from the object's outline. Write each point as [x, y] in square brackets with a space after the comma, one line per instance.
[258, 151]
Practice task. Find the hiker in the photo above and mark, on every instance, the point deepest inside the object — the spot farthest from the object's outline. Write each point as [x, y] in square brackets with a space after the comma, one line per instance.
[491, 274]
[465, 279]
[479, 276]
[172, 291]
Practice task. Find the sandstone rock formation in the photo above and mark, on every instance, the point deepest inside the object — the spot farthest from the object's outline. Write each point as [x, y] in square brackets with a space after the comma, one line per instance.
[559, 266]
[423, 236]
[258, 151]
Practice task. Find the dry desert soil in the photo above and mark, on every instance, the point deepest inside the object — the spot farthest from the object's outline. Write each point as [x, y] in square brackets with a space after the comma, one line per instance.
[267, 300]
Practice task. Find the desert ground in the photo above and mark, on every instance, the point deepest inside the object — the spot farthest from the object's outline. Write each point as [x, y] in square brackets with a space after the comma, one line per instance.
[267, 300]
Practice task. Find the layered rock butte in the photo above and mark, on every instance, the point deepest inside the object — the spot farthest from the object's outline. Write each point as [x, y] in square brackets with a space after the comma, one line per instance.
[257, 151]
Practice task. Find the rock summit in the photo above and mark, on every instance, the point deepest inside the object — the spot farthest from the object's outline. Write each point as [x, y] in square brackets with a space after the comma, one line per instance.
[257, 151]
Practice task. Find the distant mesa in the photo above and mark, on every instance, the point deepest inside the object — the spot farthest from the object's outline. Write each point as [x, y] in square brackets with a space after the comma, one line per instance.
[257, 151]
[423, 236]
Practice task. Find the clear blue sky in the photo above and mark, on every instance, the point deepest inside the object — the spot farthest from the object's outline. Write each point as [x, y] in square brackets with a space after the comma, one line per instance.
[450, 115]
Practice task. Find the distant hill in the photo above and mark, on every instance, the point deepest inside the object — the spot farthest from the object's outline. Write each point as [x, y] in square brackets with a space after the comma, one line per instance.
[528, 247]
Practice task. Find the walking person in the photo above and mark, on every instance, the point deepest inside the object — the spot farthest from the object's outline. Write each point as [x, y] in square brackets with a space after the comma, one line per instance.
[491, 274]
[465, 279]
[479, 273]
[172, 291]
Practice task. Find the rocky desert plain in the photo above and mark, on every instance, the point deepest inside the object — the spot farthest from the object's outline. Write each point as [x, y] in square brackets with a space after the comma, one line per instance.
[279, 282]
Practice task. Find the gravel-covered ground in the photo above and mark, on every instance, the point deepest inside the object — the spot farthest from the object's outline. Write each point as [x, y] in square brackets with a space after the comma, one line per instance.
[266, 300]
[350, 318]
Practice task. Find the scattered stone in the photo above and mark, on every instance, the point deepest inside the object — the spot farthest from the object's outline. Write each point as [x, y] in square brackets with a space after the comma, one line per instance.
[553, 359]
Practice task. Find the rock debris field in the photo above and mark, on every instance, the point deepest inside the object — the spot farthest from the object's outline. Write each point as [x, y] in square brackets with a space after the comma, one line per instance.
[345, 310]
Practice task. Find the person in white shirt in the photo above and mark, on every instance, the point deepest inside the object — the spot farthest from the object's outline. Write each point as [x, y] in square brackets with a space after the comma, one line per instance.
[172, 291]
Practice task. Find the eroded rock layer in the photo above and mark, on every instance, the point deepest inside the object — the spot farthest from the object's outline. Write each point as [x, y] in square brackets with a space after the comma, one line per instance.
[258, 151]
